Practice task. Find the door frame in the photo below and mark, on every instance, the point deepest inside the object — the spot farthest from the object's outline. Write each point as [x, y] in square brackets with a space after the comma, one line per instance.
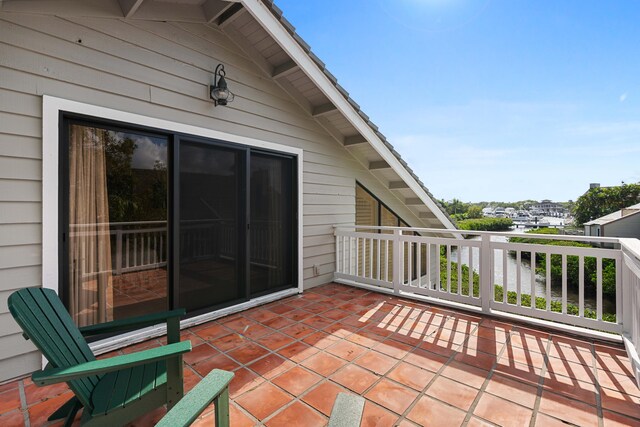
[53, 109]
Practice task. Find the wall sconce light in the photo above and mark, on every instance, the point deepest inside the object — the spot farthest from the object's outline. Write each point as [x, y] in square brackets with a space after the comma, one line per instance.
[219, 91]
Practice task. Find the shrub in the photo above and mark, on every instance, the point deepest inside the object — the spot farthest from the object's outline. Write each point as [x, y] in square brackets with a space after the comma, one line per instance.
[573, 264]
[486, 224]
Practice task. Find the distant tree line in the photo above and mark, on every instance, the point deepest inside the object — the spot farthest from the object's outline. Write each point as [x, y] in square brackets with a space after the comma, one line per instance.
[602, 201]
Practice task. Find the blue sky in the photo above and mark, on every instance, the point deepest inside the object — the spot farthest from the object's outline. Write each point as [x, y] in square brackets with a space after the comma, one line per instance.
[491, 99]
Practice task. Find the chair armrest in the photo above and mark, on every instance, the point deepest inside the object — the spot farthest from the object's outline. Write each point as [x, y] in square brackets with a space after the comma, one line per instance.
[191, 406]
[103, 366]
[131, 323]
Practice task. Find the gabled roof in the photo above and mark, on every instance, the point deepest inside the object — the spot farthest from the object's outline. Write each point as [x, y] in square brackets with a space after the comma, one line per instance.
[259, 28]
[616, 216]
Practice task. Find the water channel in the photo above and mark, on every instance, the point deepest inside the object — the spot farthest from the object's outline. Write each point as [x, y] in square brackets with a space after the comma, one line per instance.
[525, 275]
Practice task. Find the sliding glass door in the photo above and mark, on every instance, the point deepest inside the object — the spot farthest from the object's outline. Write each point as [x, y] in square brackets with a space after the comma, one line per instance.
[272, 217]
[211, 225]
[153, 220]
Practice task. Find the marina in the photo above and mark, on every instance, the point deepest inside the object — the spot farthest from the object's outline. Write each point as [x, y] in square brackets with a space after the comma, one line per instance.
[525, 275]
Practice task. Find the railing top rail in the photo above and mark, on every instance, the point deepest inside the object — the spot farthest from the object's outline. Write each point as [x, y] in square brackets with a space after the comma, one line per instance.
[481, 233]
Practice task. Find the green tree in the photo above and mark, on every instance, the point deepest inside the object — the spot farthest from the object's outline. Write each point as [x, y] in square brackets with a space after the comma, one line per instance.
[601, 201]
[474, 212]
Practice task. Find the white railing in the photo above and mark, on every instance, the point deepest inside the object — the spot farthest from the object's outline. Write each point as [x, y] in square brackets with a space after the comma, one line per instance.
[142, 245]
[565, 285]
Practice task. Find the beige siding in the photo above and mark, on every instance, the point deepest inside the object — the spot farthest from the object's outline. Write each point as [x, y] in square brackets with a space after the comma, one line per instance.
[625, 227]
[160, 70]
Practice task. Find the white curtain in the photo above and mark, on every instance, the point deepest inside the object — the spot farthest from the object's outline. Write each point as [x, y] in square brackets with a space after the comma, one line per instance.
[90, 275]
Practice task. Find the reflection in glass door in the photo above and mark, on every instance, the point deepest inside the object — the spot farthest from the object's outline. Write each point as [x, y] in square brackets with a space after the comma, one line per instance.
[116, 214]
[210, 214]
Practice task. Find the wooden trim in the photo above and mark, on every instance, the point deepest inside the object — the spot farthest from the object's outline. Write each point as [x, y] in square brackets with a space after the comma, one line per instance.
[129, 7]
[323, 109]
[354, 140]
[379, 164]
[284, 70]
[397, 185]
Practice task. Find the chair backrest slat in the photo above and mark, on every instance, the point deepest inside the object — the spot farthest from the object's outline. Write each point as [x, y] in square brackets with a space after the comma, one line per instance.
[44, 319]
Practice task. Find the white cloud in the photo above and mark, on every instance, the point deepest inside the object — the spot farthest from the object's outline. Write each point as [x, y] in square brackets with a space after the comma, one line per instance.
[147, 153]
[623, 97]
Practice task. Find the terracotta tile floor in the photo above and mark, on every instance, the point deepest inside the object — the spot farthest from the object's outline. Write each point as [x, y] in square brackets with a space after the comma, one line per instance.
[415, 364]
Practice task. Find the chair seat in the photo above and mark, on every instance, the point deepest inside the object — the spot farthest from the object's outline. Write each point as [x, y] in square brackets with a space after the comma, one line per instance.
[121, 388]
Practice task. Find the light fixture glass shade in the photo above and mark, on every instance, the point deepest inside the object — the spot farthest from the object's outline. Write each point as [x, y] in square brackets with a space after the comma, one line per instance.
[219, 91]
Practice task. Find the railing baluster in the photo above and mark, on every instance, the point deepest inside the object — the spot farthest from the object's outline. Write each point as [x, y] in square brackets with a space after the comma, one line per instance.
[448, 268]
[378, 258]
[548, 280]
[419, 262]
[533, 280]
[386, 260]
[518, 278]
[581, 286]
[459, 270]
[345, 255]
[350, 256]
[437, 261]
[428, 265]
[599, 288]
[470, 264]
[564, 284]
[505, 277]
[410, 263]
[135, 249]
[370, 258]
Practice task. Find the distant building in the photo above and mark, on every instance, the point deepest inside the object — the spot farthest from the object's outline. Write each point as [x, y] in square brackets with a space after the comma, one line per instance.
[622, 223]
[547, 207]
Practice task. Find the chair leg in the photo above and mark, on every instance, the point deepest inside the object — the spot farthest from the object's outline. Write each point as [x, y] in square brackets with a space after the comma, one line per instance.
[72, 414]
[222, 408]
[175, 381]
[65, 409]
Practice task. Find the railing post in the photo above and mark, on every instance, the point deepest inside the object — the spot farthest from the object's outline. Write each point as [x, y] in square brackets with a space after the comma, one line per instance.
[335, 234]
[486, 264]
[398, 258]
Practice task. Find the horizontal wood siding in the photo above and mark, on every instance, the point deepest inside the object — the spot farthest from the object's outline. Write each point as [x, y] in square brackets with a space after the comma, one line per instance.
[160, 70]
[628, 226]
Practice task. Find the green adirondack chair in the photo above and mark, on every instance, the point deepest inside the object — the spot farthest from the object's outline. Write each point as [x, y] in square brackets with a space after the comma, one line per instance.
[112, 391]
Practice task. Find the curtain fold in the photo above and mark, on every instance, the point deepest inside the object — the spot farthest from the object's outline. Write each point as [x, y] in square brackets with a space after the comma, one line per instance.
[90, 269]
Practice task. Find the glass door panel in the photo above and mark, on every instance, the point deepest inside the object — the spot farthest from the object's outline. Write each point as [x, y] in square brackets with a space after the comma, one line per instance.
[210, 225]
[117, 217]
[272, 255]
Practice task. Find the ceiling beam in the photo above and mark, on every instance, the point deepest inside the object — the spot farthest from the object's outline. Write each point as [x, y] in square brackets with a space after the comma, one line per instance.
[323, 109]
[379, 164]
[213, 9]
[409, 201]
[129, 7]
[284, 70]
[354, 140]
[426, 215]
[396, 185]
[230, 15]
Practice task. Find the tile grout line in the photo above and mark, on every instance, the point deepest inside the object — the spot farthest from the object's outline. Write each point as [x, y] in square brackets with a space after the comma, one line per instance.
[23, 404]
[594, 366]
[543, 371]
